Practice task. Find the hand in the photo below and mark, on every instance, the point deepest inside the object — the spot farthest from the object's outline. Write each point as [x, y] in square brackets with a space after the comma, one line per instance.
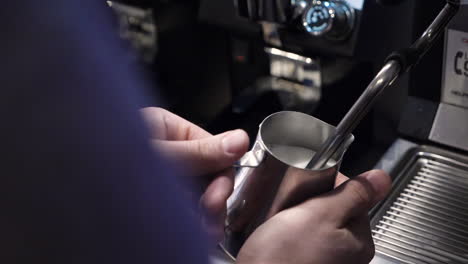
[209, 157]
[329, 229]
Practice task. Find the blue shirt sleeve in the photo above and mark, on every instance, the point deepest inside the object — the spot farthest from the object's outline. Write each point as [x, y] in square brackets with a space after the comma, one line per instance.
[79, 182]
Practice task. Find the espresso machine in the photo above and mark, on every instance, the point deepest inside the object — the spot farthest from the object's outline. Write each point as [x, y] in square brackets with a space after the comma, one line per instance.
[424, 219]
[314, 57]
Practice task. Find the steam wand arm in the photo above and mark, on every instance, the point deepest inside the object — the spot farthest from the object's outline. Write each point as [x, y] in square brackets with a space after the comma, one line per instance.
[397, 64]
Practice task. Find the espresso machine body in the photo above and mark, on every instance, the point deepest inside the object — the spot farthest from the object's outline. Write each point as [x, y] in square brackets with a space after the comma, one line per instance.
[424, 218]
[268, 73]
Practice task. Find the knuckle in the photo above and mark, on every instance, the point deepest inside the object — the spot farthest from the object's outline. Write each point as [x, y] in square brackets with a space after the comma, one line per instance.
[359, 193]
[153, 111]
[189, 132]
[201, 149]
[157, 110]
[362, 251]
[207, 150]
[366, 251]
[155, 119]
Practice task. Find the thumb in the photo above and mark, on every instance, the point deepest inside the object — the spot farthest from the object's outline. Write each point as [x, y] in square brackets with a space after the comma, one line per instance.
[356, 196]
[207, 155]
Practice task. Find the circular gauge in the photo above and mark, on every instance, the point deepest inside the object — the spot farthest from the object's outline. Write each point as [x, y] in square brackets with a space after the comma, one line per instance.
[332, 19]
[317, 18]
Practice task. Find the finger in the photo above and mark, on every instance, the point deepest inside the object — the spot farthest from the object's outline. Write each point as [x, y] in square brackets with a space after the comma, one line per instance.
[340, 179]
[359, 228]
[213, 203]
[359, 195]
[353, 198]
[207, 155]
[165, 125]
[381, 182]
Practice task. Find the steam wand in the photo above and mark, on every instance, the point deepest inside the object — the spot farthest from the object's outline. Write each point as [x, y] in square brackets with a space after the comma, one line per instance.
[396, 64]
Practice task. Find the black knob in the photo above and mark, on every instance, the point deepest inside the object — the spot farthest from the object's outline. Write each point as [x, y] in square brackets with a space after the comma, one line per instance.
[331, 19]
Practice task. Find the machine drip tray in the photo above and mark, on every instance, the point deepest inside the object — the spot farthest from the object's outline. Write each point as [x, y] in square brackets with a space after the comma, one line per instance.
[425, 218]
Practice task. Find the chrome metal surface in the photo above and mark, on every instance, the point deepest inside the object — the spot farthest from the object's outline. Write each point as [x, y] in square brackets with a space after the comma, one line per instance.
[296, 80]
[425, 218]
[384, 78]
[424, 43]
[272, 176]
[333, 19]
[294, 67]
[219, 256]
[393, 155]
[271, 34]
[450, 126]
[389, 73]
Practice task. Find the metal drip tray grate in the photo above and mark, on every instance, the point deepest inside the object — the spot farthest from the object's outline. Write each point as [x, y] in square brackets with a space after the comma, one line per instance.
[425, 219]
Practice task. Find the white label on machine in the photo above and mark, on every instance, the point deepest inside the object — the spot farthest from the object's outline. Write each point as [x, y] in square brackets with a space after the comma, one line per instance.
[356, 4]
[455, 78]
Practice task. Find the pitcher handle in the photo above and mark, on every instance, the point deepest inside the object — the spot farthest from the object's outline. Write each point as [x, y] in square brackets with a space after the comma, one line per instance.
[253, 158]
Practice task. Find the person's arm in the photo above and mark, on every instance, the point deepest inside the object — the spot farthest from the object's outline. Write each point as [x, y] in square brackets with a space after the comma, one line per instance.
[79, 183]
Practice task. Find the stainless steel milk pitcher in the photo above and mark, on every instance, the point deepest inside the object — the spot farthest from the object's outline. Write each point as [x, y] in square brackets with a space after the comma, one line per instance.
[272, 176]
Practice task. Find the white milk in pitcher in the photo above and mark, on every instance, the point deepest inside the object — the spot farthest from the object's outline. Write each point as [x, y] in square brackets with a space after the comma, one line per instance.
[295, 156]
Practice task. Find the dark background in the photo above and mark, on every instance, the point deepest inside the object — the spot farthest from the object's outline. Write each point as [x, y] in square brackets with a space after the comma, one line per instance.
[198, 73]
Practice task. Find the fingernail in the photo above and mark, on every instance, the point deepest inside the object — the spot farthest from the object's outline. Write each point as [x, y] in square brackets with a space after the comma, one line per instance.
[234, 142]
